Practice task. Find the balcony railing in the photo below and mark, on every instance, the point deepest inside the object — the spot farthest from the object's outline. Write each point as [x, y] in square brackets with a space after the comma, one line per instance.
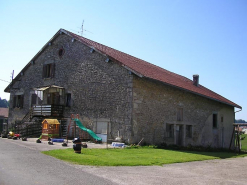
[48, 110]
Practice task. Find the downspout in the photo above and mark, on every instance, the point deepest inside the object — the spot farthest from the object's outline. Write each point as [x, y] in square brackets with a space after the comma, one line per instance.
[238, 111]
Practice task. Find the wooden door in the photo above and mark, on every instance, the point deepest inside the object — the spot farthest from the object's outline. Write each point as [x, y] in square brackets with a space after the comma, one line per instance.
[179, 135]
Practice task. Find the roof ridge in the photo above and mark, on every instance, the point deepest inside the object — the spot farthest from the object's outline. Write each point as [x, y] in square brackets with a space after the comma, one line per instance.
[153, 71]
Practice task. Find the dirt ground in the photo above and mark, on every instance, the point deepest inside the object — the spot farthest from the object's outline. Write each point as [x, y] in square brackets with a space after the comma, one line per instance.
[43, 146]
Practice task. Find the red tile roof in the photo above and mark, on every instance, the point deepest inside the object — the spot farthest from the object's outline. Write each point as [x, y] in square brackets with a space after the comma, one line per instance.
[142, 69]
[152, 71]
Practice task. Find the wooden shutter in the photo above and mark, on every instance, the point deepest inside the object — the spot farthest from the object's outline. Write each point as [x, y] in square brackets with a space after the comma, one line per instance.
[169, 130]
[68, 100]
[21, 101]
[44, 71]
[52, 70]
[57, 98]
[14, 102]
[33, 99]
[49, 99]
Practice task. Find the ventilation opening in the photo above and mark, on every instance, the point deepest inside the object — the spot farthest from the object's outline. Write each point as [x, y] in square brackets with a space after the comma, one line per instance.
[61, 52]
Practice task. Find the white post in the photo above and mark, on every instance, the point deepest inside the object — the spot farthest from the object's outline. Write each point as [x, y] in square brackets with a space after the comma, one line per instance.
[107, 131]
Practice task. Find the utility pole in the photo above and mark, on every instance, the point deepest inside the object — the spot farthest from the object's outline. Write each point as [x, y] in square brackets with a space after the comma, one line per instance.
[11, 77]
[11, 84]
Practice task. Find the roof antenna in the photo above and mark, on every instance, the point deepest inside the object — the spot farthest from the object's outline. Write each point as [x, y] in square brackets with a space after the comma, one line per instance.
[81, 32]
[82, 28]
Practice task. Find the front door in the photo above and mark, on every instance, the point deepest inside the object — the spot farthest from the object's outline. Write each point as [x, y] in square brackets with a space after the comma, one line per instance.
[53, 98]
[179, 135]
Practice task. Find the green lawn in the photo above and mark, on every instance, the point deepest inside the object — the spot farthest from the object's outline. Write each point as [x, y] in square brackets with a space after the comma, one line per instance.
[244, 142]
[135, 156]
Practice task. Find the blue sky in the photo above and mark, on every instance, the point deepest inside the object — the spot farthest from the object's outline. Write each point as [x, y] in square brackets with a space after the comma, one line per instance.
[189, 37]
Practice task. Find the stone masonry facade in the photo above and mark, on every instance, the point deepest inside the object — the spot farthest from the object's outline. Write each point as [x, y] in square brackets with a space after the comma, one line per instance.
[136, 108]
[155, 105]
[99, 89]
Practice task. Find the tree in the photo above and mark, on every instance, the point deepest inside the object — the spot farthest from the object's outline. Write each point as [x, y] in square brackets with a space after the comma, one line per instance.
[240, 121]
[4, 103]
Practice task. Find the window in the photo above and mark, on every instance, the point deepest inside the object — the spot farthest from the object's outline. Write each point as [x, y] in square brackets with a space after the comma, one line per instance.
[222, 119]
[45, 126]
[49, 70]
[189, 131]
[180, 114]
[101, 128]
[18, 101]
[68, 100]
[214, 120]
[169, 130]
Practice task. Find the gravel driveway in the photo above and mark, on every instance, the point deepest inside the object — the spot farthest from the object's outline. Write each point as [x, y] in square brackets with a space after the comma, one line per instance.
[225, 171]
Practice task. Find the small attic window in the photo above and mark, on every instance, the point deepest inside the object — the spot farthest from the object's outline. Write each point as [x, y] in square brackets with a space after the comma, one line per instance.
[61, 52]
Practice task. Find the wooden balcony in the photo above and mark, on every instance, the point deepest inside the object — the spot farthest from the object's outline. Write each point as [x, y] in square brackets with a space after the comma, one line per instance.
[48, 110]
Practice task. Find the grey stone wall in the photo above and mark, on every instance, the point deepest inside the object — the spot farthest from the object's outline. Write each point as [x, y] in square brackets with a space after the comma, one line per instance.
[155, 105]
[98, 89]
[135, 107]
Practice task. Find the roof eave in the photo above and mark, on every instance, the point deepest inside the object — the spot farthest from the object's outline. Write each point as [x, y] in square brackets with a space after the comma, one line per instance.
[7, 89]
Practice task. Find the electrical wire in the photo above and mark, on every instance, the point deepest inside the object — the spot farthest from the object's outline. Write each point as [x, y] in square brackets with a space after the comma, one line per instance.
[4, 81]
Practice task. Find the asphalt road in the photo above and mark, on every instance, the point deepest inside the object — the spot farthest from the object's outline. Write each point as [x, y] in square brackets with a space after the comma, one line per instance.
[22, 163]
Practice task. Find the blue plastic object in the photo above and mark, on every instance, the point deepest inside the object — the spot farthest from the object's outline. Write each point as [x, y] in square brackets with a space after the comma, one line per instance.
[57, 140]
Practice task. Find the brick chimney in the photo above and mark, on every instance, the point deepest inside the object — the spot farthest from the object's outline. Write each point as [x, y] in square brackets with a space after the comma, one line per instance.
[196, 80]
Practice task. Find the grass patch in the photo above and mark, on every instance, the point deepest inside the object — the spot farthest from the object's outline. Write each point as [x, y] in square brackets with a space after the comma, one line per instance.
[244, 142]
[143, 156]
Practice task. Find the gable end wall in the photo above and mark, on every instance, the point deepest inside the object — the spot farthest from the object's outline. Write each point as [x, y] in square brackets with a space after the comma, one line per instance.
[99, 90]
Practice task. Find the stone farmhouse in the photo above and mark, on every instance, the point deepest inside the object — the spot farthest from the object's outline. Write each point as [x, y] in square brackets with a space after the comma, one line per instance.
[74, 75]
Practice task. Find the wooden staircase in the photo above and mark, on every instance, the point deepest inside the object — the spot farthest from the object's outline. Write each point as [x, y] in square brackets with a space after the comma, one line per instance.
[28, 117]
[28, 127]
[31, 124]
